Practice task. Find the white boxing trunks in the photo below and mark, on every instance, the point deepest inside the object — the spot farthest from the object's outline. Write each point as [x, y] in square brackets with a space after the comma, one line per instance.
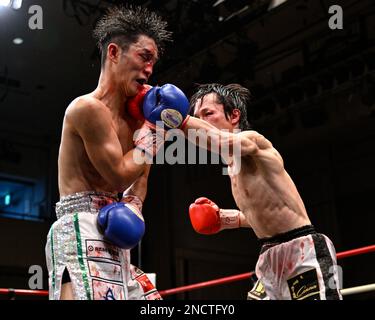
[97, 269]
[298, 265]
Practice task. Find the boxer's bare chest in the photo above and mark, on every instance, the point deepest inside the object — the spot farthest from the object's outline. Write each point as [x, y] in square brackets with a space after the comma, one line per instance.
[245, 181]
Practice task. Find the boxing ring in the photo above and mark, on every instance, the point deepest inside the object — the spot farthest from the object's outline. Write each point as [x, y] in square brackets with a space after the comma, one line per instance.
[12, 293]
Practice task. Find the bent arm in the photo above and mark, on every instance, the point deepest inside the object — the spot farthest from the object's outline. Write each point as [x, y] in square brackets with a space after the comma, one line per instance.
[93, 124]
[139, 187]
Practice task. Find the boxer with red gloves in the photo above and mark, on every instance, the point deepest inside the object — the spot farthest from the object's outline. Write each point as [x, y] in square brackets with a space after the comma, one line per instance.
[296, 262]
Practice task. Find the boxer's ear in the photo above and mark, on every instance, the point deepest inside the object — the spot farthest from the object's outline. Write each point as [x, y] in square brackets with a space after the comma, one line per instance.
[235, 117]
[113, 52]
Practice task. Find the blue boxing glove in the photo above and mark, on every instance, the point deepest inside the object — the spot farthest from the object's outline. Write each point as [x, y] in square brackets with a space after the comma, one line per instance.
[164, 108]
[167, 104]
[122, 224]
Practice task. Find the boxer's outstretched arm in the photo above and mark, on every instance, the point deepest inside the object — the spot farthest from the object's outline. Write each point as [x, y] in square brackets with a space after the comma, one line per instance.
[208, 136]
[92, 122]
[250, 143]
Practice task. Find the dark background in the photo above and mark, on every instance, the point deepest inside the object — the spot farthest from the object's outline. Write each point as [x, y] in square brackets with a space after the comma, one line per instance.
[314, 98]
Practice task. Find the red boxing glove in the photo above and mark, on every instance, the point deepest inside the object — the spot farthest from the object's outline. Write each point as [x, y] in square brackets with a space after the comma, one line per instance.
[204, 216]
[134, 105]
[207, 218]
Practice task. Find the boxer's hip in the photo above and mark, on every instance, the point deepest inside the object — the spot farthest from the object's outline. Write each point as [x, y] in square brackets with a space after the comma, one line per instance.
[277, 239]
[87, 201]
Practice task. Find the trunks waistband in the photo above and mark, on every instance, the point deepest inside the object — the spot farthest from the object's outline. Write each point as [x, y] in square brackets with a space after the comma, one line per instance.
[286, 236]
[87, 201]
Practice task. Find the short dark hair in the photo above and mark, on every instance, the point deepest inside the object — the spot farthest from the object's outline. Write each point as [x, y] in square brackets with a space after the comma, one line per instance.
[232, 96]
[124, 24]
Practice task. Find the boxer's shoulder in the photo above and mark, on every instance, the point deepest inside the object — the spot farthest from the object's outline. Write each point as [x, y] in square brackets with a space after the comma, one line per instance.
[86, 108]
[260, 140]
[86, 103]
[249, 134]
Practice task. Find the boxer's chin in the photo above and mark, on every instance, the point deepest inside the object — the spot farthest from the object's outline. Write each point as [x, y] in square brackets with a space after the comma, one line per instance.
[133, 89]
[140, 85]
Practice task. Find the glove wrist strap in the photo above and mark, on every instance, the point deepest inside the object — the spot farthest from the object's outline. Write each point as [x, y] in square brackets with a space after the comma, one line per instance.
[149, 139]
[230, 219]
[184, 122]
[134, 200]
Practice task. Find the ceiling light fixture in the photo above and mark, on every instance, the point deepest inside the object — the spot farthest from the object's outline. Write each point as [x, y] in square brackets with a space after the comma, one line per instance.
[15, 4]
[17, 40]
[5, 3]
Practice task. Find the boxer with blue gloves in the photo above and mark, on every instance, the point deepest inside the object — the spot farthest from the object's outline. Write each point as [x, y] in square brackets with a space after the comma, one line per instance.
[88, 247]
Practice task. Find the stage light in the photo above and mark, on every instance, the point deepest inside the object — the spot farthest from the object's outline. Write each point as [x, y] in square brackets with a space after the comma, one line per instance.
[17, 40]
[17, 4]
[7, 199]
[5, 3]
[275, 3]
[217, 3]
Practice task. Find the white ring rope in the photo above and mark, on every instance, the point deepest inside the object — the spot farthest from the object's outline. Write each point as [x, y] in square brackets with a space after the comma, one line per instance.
[359, 289]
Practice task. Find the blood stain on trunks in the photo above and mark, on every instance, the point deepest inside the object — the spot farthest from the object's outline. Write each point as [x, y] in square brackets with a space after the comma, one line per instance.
[303, 254]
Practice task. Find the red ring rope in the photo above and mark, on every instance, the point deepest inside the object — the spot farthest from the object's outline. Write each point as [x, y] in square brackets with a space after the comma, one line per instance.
[355, 252]
[22, 292]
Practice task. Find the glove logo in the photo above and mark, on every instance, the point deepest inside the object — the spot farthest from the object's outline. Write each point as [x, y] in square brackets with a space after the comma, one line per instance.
[172, 118]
